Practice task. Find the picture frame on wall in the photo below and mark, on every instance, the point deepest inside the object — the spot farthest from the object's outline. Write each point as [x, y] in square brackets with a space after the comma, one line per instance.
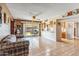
[0, 15]
[4, 17]
[0, 18]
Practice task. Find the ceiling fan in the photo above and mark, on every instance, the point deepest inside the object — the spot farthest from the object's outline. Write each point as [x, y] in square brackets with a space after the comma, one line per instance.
[34, 15]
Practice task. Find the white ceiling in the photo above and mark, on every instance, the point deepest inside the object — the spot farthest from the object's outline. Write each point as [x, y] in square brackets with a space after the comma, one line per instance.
[45, 10]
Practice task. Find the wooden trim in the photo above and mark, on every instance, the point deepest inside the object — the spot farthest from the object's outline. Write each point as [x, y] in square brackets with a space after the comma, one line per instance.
[12, 27]
[25, 20]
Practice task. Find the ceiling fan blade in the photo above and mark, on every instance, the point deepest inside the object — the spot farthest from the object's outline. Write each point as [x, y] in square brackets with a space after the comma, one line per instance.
[38, 14]
[31, 14]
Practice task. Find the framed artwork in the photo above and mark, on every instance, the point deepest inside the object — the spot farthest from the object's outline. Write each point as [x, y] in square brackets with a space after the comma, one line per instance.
[59, 23]
[8, 21]
[0, 18]
[0, 15]
[4, 17]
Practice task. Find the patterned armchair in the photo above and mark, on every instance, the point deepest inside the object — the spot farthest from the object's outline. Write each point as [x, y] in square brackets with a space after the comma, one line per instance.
[14, 48]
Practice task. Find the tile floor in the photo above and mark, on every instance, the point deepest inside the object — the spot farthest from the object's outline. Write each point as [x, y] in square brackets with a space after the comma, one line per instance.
[56, 49]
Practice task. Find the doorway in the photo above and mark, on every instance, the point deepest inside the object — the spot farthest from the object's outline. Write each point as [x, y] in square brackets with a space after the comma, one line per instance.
[70, 30]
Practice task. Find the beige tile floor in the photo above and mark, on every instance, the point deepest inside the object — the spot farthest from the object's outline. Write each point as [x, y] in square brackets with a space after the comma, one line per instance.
[56, 49]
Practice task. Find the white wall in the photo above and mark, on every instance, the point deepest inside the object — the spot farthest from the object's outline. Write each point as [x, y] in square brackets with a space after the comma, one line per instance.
[4, 27]
[70, 30]
[4, 30]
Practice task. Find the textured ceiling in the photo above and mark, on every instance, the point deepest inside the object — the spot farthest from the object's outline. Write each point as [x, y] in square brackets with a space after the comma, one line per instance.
[40, 10]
